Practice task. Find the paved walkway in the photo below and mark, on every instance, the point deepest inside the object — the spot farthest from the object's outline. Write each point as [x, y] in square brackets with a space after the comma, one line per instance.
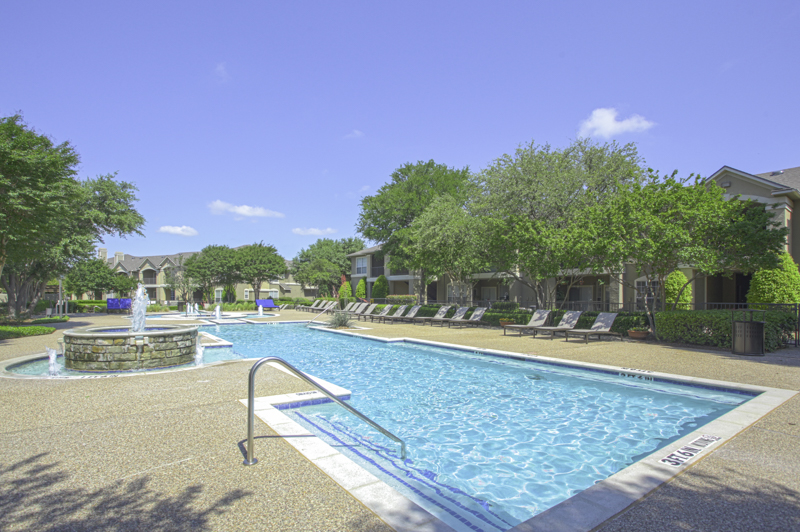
[163, 451]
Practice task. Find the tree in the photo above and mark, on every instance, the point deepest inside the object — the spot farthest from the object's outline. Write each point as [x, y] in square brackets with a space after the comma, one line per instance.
[258, 263]
[213, 266]
[91, 275]
[361, 289]
[776, 285]
[674, 290]
[179, 281]
[662, 223]
[449, 240]
[324, 262]
[36, 178]
[381, 288]
[387, 216]
[345, 291]
[533, 206]
[96, 207]
[124, 285]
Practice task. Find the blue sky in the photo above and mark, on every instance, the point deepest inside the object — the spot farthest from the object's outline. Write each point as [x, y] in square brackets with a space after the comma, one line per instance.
[249, 121]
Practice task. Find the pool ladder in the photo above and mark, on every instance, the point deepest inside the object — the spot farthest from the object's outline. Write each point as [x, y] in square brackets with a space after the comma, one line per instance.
[251, 412]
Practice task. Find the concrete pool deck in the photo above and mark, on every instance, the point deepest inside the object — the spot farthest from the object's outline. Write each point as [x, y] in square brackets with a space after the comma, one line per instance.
[162, 451]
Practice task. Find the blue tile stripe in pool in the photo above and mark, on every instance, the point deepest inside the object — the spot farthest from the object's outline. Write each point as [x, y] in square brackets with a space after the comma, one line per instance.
[436, 486]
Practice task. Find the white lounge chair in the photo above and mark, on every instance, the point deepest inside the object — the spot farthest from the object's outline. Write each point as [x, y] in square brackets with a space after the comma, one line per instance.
[601, 327]
[538, 319]
[568, 321]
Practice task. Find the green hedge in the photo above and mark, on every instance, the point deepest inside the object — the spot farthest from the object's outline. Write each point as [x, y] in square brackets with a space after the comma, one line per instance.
[713, 327]
[50, 320]
[505, 306]
[492, 317]
[86, 305]
[8, 332]
[401, 299]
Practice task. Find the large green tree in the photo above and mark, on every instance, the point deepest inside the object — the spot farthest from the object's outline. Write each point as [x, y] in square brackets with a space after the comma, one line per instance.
[214, 266]
[92, 276]
[176, 279]
[664, 222]
[533, 205]
[95, 208]
[258, 263]
[324, 262]
[36, 186]
[387, 216]
[447, 239]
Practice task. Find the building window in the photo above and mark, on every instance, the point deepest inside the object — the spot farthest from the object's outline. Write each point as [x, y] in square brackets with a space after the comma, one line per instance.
[273, 294]
[361, 266]
[246, 294]
[218, 295]
[652, 293]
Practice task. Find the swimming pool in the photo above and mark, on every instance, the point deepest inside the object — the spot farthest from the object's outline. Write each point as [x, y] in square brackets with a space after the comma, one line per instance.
[491, 441]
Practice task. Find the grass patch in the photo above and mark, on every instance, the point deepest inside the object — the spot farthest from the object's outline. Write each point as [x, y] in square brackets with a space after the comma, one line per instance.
[57, 319]
[8, 332]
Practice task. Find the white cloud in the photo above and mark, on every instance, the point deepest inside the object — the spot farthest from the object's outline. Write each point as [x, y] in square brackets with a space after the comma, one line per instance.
[221, 73]
[355, 134]
[183, 230]
[222, 207]
[603, 123]
[364, 188]
[313, 231]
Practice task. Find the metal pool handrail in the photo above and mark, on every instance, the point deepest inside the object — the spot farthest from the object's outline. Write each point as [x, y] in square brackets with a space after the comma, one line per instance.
[251, 414]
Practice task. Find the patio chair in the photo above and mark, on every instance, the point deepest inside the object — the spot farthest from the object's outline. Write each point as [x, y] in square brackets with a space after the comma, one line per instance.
[538, 319]
[365, 311]
[473, 321]
[266, 303]
[314, 305]
[568, 321]
[384, 312]
[459, 315]
[397, 314]
[408, 317]
[601, 327]
[439, 314]
[356, 309]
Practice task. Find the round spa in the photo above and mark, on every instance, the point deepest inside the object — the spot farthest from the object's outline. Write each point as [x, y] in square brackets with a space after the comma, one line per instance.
[120, 349]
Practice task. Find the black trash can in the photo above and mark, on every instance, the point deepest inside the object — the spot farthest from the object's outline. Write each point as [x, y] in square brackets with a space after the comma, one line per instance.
[747, 334]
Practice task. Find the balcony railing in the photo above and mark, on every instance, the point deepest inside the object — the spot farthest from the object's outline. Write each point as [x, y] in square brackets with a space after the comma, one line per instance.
[403, 271]
[147, 279]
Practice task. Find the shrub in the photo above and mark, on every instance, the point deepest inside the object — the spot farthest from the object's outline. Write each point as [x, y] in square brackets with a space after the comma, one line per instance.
[173, 307]
[345, 291]
[505, 306]
[672, 285]
[8, 332]
[42, 305]
[381, 288]
[339, 319]
[401, 299]
[778, 285]
[493, 317]
[624, 321]
[361, 289]
[61, 319]
[713, 328]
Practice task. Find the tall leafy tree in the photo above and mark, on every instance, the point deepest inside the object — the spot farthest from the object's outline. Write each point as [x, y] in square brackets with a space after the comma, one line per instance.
[324, 262]
[447, 239]
[179, 281]
[387, 216]
[662, 223]
[36, 178]
[258, 263]
[533, 203]
[91, 275]
[96, 207]
[214, 266]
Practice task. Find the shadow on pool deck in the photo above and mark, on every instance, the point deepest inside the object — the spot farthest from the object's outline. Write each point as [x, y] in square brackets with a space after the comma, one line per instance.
[37, 494]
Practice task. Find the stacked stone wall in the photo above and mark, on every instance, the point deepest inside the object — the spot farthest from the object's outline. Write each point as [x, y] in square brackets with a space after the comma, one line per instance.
[120, 353]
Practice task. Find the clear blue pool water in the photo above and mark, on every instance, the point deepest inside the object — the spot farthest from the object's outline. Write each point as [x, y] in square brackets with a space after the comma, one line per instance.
[491, 441]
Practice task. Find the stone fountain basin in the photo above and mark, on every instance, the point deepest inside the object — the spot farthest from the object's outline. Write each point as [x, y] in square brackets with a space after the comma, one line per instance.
[120, 349]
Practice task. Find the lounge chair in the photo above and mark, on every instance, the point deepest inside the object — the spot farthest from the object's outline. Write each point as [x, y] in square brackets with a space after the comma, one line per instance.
[356, 309]
[568, 321]
[460, 313]
[439, 314]
[349, 307]
[384, 312]
[266, 303]
[474, 319]
[407, 317]
[601, 327]
[365, 311]
[315, 305]
[397, 313]
[538, 320]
